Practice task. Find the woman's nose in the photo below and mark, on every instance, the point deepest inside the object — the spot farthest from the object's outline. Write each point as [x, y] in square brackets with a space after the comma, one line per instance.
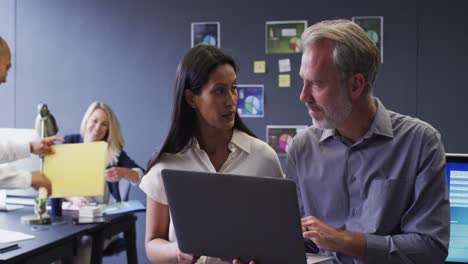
[232, 98]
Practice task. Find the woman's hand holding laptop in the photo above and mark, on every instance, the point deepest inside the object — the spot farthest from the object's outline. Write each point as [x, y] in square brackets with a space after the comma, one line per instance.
[186, 258]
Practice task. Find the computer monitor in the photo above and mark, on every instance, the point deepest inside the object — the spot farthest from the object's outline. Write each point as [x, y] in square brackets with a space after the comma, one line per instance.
[457, 179]
[32, 163]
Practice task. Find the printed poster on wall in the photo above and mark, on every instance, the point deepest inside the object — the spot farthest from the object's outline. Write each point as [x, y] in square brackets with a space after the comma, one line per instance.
[373, 26]
[280, 137]
[284, 36]
[250, 100]
[207, 33]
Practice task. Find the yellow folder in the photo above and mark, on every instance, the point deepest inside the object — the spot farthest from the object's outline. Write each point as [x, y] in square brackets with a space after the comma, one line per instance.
[77, 169]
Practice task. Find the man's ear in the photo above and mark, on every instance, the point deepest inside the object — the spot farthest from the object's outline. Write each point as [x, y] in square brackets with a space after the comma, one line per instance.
[189, 98]
[357, 84]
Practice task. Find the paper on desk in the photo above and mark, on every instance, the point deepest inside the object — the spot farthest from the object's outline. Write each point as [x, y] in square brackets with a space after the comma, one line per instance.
[69, 206]
[66, 206]
[123, 207]
[77, 169]
[10, 236]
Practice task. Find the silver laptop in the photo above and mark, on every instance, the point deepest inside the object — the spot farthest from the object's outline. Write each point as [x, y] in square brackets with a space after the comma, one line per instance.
[232, 216]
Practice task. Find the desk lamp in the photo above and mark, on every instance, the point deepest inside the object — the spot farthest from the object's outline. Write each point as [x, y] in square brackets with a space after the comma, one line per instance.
[46, 126]
[45, 122]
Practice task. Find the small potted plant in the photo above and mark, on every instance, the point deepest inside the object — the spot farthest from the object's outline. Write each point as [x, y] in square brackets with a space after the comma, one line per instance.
[40, 205]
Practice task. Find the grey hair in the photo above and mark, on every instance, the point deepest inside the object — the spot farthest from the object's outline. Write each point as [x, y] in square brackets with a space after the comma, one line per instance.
[354, 51]
[113, 137]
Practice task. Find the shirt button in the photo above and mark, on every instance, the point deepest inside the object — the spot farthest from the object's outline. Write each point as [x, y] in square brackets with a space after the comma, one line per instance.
[353, 178]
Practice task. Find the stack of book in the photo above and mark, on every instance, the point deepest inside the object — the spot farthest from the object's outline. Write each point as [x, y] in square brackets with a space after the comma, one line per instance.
[90, 211]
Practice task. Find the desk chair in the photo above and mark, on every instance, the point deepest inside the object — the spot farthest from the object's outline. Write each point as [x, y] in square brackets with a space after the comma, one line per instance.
[124, 189]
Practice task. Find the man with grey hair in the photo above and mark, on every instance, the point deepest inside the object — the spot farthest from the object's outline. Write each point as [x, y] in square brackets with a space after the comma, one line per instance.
[10, 178]
[371, 182]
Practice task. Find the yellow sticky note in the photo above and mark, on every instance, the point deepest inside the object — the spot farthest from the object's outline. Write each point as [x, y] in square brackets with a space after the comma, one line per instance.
[284, 80]
[77, 169]
[259, 67]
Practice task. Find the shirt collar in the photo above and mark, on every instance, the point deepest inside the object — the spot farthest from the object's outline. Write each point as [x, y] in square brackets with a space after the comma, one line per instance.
[381, 125]
[239, 139]
[326, 133]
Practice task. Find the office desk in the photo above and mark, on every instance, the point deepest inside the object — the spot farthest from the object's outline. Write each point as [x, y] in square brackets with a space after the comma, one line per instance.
[59, 240]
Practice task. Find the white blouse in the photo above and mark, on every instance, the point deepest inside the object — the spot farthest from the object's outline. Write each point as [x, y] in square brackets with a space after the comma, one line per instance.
[249, 156]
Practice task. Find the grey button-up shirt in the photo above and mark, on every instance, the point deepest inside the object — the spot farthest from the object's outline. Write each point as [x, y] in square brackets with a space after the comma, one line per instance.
[390, 185]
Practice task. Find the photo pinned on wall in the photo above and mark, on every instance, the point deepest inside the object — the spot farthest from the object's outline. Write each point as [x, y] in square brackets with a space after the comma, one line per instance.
[284, 36]
[373, 26]
[207, 33]
[280, 137]
[250, 100]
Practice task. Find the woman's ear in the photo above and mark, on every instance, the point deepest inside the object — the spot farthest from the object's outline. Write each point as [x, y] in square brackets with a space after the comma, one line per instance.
[189, 98]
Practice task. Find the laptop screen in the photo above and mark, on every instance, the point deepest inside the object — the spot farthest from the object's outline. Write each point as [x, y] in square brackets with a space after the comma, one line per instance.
[457, 179]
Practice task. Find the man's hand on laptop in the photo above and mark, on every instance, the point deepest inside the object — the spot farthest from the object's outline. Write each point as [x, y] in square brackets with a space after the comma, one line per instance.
[323, 235]
[329, 238]
[186, 258]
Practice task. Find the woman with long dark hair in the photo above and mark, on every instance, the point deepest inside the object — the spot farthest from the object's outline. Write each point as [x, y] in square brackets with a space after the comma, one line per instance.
[206, 134]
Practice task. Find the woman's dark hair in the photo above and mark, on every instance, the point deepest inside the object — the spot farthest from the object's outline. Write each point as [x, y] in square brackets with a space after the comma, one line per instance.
[192, 73]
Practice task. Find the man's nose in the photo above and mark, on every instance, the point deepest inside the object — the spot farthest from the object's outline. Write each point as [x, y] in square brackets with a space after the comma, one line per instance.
[306, 95]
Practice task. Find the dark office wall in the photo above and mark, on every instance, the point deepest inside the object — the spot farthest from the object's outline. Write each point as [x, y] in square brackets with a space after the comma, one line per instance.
[123, 52]
[7, 91]
[443, 70]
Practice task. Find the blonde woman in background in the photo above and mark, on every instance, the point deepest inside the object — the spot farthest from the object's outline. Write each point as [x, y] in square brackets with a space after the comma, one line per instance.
[100, 124]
